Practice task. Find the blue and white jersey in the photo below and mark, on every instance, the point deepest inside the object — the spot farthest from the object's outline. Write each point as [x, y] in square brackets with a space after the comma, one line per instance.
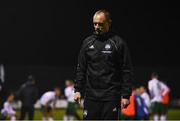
[141, 108]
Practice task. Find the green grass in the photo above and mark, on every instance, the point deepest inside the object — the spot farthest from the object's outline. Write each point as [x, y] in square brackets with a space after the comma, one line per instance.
[58, 114]
[173, 114]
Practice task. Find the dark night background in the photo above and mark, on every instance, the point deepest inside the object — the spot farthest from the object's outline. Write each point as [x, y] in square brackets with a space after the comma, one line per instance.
[44, 38]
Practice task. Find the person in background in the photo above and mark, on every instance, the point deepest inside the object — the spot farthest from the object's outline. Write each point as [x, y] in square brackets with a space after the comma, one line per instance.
[165, 92]
[141, 108]
[155, 87]
[7, 110]
[146, 98]
[28, 95]
[71, 107]
[46, 100]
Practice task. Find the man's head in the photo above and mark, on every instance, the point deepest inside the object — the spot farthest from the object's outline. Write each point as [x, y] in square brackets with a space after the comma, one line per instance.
[137, 91]
[142, 89]
[68, 83]
[31, 79]
[101, 21]
[154, 75]
[57, 91]
[10, 97]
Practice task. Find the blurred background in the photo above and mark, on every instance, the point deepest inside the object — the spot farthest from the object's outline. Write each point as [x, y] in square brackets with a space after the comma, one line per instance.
[43, 38]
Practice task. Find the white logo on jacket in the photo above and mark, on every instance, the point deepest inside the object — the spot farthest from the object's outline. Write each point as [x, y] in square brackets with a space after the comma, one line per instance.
[107, 49]
[85, 113]
[107, 46]
[114, 109]
[91, 47]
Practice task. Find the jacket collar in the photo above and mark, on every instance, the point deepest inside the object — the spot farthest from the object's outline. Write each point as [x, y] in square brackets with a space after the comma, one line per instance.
[103, 36]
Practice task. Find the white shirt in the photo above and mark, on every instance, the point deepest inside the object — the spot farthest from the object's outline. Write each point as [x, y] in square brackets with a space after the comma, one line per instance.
[154, 87]
[47, 98]
[164, 88]
[146, 99]
[8, 109]
[69, 93]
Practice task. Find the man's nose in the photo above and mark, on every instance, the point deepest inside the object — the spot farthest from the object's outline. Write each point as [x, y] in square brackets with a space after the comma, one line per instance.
[97, 26]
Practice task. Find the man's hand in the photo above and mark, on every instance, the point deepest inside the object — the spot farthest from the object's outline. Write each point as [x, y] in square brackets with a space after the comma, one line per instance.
[124, 103]
[77, 97]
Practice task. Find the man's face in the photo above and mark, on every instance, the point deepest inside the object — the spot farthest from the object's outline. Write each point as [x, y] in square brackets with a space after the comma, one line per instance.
[101, 25]
[57, 92]
[137, 91]
[11, 98]
[67, 83]
[142, 90]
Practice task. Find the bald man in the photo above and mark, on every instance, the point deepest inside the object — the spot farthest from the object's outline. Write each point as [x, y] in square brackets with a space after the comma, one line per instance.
[104, 71]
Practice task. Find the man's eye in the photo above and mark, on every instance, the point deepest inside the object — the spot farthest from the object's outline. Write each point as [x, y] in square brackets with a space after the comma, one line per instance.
[100, 24]
[96, 24]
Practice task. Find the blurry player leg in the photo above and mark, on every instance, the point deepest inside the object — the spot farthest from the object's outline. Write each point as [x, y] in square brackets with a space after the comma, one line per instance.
[50, 115]
[31, 113]
[65, 118]
[44, 118]
[156, 118]
[163, 117]
[71, 118]
[13, 118]
[50, 119]
[164, 110]
[23, 113]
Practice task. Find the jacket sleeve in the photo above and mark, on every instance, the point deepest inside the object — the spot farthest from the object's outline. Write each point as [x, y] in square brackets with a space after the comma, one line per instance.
[126, 70]
[81, 71]
[19, 94]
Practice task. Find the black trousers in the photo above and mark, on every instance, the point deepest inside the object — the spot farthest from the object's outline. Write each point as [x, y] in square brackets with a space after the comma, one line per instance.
[101, 110]
[29, 110]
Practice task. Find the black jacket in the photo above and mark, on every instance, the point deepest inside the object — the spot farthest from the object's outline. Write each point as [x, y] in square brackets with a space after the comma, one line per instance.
[104, 70]
[28, 94]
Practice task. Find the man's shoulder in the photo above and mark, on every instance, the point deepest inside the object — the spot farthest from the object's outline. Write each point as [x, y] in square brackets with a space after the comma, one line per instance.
[150, 82]
[6, 103]
[49, 93]
[117, 39]
[89, 38]
[67, 88]
[145, 94]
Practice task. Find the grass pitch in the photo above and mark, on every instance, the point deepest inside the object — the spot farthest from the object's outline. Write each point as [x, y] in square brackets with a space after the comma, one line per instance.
[173, 114]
